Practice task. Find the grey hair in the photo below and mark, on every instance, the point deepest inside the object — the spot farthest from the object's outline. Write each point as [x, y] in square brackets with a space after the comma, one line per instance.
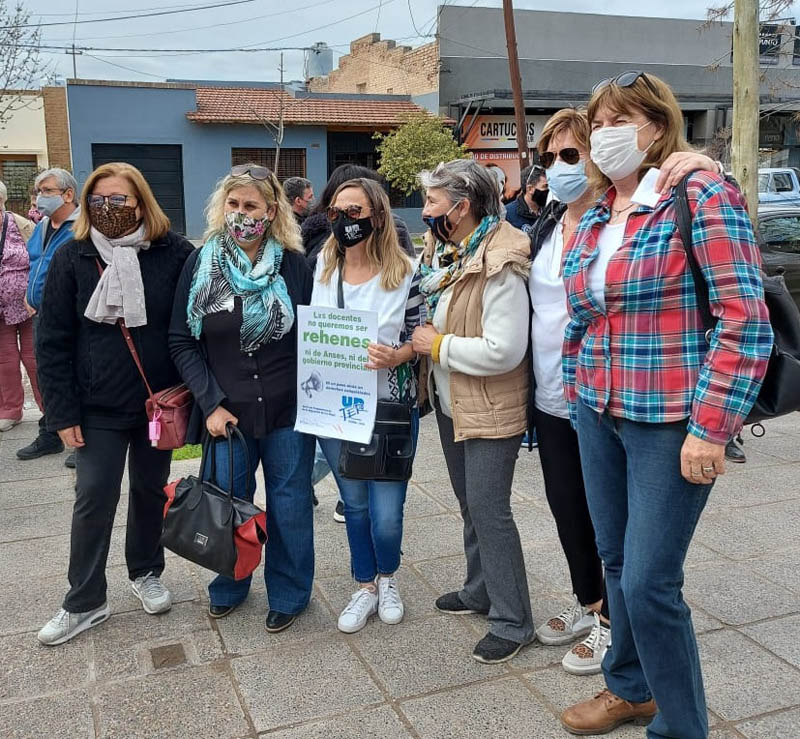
[64, 180]
[294, 187]
[3, 193]
[465, 179]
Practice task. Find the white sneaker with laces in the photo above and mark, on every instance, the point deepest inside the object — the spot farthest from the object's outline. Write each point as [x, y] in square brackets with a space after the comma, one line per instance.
[571, 624]
[64, 625]
[154, 596]
[586, 658]
[355, 615]
[390, 606]
[6, 424]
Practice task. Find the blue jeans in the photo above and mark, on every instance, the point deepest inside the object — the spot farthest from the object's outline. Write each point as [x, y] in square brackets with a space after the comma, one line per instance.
[373, 515]
[287, 458]
[644, 515]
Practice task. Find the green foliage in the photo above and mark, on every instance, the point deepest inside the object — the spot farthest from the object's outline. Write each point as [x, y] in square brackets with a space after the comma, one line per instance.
[421, 142]
[190, 451]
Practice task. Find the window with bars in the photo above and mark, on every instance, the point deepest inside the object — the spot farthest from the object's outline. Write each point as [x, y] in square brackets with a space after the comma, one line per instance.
[291, 163]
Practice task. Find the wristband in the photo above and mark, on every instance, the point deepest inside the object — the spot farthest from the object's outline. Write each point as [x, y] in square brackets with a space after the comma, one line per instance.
[437, 343]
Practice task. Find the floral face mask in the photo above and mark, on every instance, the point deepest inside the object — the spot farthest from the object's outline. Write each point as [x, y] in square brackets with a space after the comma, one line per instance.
[244, 228]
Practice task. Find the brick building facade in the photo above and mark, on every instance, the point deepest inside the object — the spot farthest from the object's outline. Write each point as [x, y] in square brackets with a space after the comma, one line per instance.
[381, 67]
[57, 127]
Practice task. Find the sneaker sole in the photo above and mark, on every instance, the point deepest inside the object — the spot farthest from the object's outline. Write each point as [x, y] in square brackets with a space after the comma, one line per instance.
[96, 620]
[558, 641]
[354, 629]
[151, 612]
[338, 518]
[28, 458]
[230, 610]
[14, 423]
[391, 621]
[485, 661]
[581, 669]
[639, 721]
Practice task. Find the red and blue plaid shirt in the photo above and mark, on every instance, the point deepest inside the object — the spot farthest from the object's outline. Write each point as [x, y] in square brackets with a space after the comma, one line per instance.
[645, 357]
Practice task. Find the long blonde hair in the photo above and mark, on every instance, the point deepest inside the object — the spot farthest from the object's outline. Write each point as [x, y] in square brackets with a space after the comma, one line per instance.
[284, 227]
[156, 223]
[654, 99]
[384, 252]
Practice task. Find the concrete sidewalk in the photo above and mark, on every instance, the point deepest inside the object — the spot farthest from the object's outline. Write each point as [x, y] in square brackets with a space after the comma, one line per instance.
[183, 674]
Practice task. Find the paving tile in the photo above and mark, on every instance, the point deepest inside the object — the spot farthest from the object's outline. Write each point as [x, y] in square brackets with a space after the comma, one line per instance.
[434, 536]
[502, 709]
[66, 716]
[395, 654]
[331, 550]
[703, 622]
[735, 595]
[201, 703]
[419, 504]
[24, 493]
[724, 733]
[12, 469]
[748, 485]
[378, 723]
[779, 567]
[30, 669]
[178, 577]
[303, 682]
[444, 574]
[778, 726]
[25, 431]
[122, 645]
[18, 524]
[743, 680]
[780, 637]
[561, 690]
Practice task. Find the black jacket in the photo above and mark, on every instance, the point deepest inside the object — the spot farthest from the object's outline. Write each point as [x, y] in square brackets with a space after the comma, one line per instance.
[86, 373]
[316, 229]
[191, 358]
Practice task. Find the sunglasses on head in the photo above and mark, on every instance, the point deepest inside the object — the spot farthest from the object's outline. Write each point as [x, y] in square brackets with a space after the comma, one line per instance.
[353, 212]
[626, 79]
[254, 171]
[570, 155]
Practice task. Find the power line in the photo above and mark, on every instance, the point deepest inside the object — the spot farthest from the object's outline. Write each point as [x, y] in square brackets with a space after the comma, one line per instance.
[129, 17]
[121, 10]
[129, 69]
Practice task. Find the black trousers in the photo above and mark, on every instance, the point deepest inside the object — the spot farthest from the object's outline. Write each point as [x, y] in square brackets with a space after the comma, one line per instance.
[563, 485]
[101, 463]
[50, 436]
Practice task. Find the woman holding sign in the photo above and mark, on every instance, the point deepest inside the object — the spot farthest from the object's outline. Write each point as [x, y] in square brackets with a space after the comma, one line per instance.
[474, 272]
[362, 267]
[234, 341]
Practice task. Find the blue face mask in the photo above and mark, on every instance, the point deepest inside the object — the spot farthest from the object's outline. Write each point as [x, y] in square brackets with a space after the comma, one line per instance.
[48, 204]
[567, 181]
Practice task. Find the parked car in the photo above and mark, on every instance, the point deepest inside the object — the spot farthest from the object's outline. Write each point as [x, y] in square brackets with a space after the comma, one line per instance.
[779, 241]
[779, 186]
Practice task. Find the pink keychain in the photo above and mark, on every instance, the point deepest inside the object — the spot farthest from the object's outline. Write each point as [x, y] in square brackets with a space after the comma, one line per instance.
[154, 428]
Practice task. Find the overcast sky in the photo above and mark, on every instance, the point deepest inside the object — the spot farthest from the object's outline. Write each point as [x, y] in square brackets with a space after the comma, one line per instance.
[261, 23]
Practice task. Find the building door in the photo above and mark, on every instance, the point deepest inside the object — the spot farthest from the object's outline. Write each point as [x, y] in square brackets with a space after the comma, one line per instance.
[18, 172]
[162, 167]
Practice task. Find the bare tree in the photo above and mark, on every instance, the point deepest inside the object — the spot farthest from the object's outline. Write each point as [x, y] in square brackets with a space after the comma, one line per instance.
[20, 66]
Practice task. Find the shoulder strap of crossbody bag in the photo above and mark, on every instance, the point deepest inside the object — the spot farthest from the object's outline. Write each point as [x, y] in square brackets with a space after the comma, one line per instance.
[129, 342]
[340, 286]
[6, 216]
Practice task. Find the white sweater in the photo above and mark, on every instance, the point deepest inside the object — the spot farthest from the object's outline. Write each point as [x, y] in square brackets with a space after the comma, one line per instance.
[505, 335]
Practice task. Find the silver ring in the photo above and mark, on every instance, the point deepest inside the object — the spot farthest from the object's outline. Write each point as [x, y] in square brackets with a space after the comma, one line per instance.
[708, 469]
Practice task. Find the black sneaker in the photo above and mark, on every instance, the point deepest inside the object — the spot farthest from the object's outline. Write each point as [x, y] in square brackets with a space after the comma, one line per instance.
[492, 649]
[734, 453]
[71, 461]
[277, 621]
[338, 512]
[451, 603]
[41, 446]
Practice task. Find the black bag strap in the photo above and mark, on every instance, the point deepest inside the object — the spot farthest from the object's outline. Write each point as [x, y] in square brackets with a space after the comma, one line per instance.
[340, 286]
[6, 216]
[684, 217]
[231, 431]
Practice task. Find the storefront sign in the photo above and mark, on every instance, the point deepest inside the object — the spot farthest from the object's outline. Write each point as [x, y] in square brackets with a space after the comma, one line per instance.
[336, 396]
[500, 131]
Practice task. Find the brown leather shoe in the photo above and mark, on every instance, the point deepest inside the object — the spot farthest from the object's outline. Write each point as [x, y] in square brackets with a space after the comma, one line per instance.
[604, 713]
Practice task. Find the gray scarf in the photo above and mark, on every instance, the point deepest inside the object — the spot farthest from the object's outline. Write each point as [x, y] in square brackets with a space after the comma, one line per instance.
[120, 292]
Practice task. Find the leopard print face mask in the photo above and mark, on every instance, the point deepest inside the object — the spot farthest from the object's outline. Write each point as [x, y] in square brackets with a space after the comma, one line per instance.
[113, 222]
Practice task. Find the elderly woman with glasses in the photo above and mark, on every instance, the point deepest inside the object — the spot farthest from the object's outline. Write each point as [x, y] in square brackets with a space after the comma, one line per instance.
[474, 270]
[233, 338]
[653, 397]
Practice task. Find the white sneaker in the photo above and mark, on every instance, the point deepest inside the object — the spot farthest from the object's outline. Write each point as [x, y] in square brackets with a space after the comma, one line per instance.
[571, 624]
[6, 424]
[154, 596]
[390, 607]
[586, 658]
[361, 606]
[64, 625]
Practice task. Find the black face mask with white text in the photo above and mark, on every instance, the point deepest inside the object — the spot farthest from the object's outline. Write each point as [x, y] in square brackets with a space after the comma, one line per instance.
[349, 232]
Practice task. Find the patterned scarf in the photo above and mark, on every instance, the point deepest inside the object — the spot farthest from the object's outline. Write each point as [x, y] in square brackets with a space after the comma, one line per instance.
[452, 258]
[224, 272]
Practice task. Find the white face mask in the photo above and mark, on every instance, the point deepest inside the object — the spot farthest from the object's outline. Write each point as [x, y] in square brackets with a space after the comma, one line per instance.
[615, 150]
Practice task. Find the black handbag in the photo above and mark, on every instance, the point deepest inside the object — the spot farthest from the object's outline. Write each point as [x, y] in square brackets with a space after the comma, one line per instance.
[780, 390]
[389, 454]
[208, 525]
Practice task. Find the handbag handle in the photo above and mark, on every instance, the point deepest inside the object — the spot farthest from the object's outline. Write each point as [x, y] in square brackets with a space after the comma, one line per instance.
[231, 431]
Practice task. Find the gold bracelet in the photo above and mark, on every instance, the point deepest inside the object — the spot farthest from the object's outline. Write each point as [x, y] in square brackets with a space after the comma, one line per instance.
[437, 343]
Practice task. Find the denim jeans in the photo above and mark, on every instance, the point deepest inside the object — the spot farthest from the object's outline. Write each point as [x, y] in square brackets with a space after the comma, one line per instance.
[287, 458]
[373, 515]
[644, 515]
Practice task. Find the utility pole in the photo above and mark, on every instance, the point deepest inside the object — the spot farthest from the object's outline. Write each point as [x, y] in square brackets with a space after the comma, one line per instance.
[74, 54]
[279, 136]
[516, 84]
[746, 98]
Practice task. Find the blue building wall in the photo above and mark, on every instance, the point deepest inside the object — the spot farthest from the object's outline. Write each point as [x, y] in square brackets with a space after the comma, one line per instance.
[104, 114]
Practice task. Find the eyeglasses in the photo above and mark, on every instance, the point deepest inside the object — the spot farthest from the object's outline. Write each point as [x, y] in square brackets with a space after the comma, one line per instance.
[353, 212]
[114, 201]
[570, 155]
[49, 190]
[626, 79]
[254, 171]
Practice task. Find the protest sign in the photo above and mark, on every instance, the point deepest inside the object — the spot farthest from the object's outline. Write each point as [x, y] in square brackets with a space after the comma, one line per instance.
[336, 396]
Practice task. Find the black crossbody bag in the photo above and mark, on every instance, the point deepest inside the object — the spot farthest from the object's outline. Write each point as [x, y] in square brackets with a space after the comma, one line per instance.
[389, 454]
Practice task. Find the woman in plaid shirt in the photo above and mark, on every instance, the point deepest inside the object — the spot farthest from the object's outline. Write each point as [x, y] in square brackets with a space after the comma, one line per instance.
[653, 402]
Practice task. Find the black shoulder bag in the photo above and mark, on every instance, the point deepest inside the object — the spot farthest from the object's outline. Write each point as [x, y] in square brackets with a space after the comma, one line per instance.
[389, 455]
[780, 391]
